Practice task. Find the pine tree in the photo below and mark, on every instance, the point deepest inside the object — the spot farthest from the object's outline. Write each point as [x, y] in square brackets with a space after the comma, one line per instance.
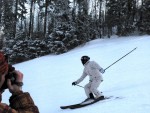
[8, 18]
[1, 38]
[145, 21]
[112, 16]
[121, 15]
[62, 36]
[21, 15]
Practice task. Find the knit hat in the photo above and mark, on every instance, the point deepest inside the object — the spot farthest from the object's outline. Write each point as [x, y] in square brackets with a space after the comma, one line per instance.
[3, 63]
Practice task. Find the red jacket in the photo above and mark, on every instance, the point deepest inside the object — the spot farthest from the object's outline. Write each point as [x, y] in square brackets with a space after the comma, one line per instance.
[19, 103]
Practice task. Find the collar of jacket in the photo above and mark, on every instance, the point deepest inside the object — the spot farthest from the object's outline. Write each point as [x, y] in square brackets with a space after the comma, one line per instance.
[86, 63]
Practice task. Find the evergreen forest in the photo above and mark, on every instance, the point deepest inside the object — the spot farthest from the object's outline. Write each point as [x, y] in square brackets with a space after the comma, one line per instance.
[34, 28]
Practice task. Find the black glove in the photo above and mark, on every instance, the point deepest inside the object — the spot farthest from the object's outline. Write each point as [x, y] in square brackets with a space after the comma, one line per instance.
[74, 83]
[102, 70]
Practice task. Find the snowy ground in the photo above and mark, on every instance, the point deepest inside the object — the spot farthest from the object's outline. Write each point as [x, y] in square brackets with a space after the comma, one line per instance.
[49, 78]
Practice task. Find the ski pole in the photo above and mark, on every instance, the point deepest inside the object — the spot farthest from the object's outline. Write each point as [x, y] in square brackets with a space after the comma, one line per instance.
[79, 86]
[120, 58]
[114, 62]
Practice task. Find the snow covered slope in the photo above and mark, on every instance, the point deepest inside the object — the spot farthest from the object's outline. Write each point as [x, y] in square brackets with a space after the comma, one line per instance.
[49, 78]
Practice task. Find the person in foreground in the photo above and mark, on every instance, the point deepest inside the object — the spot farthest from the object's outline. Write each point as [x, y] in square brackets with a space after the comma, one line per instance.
[94, 71]
[20, 102]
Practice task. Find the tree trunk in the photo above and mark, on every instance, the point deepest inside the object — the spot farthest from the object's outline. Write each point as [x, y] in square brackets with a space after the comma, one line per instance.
[30, 21]
[45, 21]
[15, 22]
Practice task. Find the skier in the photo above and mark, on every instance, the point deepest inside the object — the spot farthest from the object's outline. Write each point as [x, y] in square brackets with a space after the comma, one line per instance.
[20, 102]
[94, 71]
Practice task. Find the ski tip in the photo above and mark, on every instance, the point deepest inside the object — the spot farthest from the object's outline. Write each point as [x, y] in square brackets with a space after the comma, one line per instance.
[62, 107]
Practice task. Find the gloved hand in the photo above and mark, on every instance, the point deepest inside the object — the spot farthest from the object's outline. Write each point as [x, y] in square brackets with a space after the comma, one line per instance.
[102, 70]
[74, 83]
[17, 87]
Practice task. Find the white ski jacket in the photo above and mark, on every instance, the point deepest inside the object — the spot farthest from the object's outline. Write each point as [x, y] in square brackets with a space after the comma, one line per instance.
[92, 69]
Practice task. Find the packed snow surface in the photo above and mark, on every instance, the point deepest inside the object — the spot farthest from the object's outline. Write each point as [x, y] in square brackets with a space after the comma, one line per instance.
[48, 79]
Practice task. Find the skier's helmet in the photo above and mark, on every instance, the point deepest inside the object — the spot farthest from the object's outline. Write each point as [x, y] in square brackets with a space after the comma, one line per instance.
[84, 59]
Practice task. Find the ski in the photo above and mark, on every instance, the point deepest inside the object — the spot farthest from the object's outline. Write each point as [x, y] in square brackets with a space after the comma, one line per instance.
[88, 103]
[79, 105]
[69, 106]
